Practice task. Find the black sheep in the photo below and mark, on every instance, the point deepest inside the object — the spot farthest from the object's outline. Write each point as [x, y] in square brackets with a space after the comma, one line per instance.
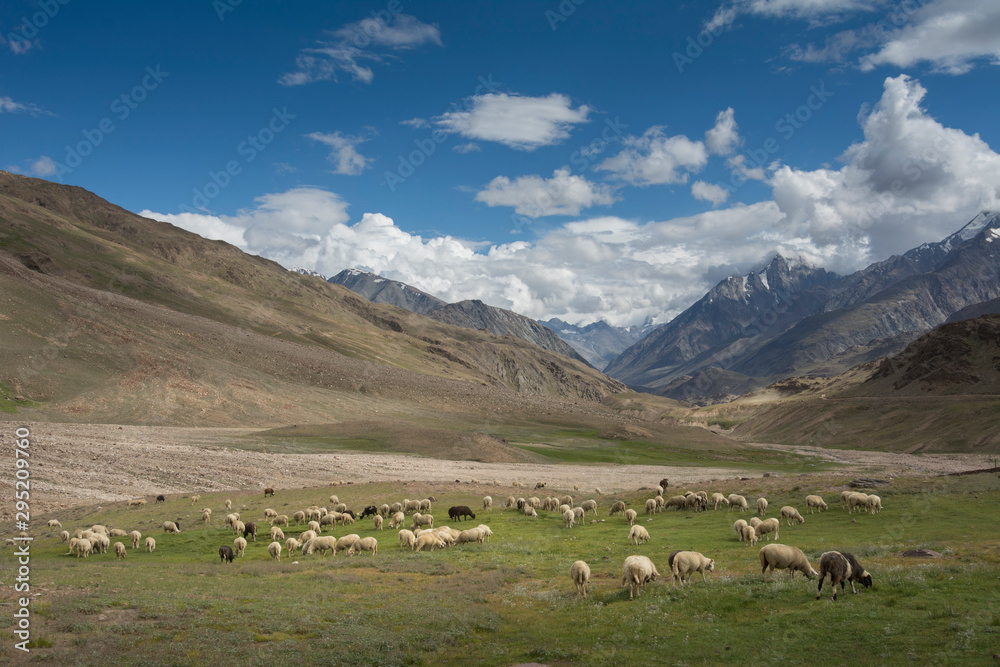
[226, 554]
[371, 510]
[250, 529]
[842, 567]
[458, 511]
[160, 499]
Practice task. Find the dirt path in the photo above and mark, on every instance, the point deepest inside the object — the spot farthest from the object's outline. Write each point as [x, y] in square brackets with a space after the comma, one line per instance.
[82, 464]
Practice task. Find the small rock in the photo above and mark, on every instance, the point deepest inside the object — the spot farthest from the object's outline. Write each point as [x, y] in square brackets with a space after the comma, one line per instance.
[920, 553]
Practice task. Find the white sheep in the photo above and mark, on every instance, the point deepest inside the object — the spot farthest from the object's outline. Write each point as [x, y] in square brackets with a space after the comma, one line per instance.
[119, 550]
[269, 513]
[377, 521]
[195, 499]
[425, 505]
[761, 506]
[170, 527]
[738, 527]
[630, 515]
[428, 539]
[767, 527]
[579, 514]
[239, 546]
[579, 572]
[471, 535]
[313, 525]
[406, 539]
[529, 511]
[137, 502]
[150, 544]
[346, 542]
[231, 520]
[737, 501]
[364, 544]
[206, 517]
[569, 518]
[397, 520]
[487, 533]
[636, 572]
[277, 533]
[755, 521]
[788, 513]
[637, 534]
[83, 547]
[420, 520]
[307, 535]
[274, 548]
[98, 528]
[103, 543]
[334, 500]
[54, 523]
[784, 557]
[857, 501]
[135, 535]
[565, 508]
[323, 544]
[383, 509]
[487, 503]
[118, 532]
[719, 499]
[844, 495]
[659, 503]
[680, 502]
[617, 506]
[291, 544]
[280, 520]
[816, 503]
[874, 503]
[749, 535]
[686, 563]
[239, 527]
[589, 505]
[651, 506]
[229, 505]
[64, 536]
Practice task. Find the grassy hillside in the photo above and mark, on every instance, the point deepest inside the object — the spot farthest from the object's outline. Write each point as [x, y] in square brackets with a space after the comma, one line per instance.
[511, 600]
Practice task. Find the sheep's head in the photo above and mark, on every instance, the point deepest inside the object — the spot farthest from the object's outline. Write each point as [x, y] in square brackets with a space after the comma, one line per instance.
[866, 579]
[711, 565]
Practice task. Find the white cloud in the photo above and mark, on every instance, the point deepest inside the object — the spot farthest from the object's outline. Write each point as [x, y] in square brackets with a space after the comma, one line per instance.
[8, 105]
[814, 11]
[471, 147]
[949, 34]
[343, 152]
[366, 41]
[524, 123]
[655, 158]
[723, 138]
[709, 192]
[43, 166]
[416, 123]
[534, 196]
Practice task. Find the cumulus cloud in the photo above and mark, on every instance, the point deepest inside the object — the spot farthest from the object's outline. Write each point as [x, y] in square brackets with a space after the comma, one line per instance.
[723, 138]
[416, 123]
[521, 122]
[709, 192]
[950, 35]
[471, 147]
[343, 153]
[655, 158]
[349, 48]
[534, 196]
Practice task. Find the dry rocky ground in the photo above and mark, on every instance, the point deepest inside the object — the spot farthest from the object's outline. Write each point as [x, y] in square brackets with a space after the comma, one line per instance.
[84, 464]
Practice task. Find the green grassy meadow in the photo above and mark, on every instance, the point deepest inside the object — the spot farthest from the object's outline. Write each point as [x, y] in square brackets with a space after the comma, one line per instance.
[511, 600]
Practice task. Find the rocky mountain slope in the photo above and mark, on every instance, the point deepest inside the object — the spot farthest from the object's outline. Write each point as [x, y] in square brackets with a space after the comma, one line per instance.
[599, 342]
[749, 331]
[382, 290]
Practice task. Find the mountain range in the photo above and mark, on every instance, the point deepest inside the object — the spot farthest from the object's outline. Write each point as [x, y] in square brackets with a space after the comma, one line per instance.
[793, 319]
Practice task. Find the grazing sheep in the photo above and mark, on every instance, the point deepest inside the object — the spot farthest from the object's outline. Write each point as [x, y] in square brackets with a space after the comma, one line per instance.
[487, 533]
[569, 518]
[749, 535]
[406, 538]
[103, 543]
[529, 511]
[119, 550]
[370, 510]
[589, 505]
[269, 492]
[277, 533]
[397, 520]
[680, 502]
[784, 557]
[230, 520]
[280, 520]
[816, 502]
[291, 544]
[274, 548]
[755, 521]
[420, 520]
[54, 523]
[383, 510]
[323, 544]
[270, 513]
[206, 517]
[64, 536]
[761, 506]
[636, 572]
[844, 495]
[565, 508]
[686, 563]
[150, 544]
[395, 507]
[225, 554]
[364, 544]
[334, 500]
[425, 505]
[171, 526]
[699, 503]
[411, 506]
[874, 504]
[161, 499]
[305, 536]
[637, 534]
[616, 507]
[428, 539]
[664, 484]
[487, 504]
[317, 525]
[195, 499]
[841, 567]
[579, 572]
[767, 527]
[566, 500]
[659, 490]
[238, 527]
[346, 542]
[136, 536]
[240, 546]
[103, 530]
[737, 501]
[659, 503]
[83, 548]
[857, 501]
[250, 530]
[788, 513]
[346, 519]
[229, 505]
[539, 485]
[630, 515]
[137, 502]
[118, 532]
[650, 506]
[471, 535]
[719, 499]
[511, 501]
[377, 521]
[73, 541]
[738, 527]
[458, 511]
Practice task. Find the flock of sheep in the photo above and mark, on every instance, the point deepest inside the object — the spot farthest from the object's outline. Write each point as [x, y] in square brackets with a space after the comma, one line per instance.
[637, 570]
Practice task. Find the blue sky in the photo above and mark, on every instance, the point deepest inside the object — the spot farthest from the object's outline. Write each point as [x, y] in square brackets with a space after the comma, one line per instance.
[577, 159]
